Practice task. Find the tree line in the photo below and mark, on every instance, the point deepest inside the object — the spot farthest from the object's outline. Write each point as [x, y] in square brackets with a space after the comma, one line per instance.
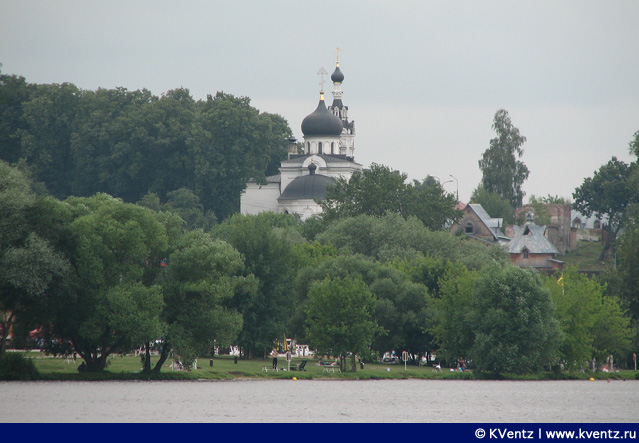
[131, 143]
[101, 276]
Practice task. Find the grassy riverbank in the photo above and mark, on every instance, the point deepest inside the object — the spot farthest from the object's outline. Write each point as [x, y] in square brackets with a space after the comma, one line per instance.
[128, 367]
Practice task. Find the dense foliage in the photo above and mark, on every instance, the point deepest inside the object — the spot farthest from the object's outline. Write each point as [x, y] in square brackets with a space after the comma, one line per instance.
[608, 193]
[594, 325]
[378, 191]
[130, 143]
[340, 317]
[114, 276]
[16, 366]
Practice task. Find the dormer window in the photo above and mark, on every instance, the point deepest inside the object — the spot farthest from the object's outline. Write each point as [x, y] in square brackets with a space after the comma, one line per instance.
[469, 228]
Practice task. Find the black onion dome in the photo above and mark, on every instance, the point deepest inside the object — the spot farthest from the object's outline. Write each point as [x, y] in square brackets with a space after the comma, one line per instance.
[337, 76]
[321, 122]
[311, 187]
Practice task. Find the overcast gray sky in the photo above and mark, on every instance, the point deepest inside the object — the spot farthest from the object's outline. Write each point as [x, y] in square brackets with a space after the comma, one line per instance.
[423, 79]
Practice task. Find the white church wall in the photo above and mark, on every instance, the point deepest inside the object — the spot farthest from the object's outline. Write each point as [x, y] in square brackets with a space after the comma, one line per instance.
[256, 198]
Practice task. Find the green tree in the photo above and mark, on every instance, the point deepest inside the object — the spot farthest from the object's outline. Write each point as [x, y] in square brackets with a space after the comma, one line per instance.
[187, 205]
[129, 143]
[593, 324]
[390, 237]
[453, 311]
[633, 146]
[26, 274]
[512, 323]
[607, 194]
[170, 165]
[110, 143]
[106, 306]
[430, 203]
[402, 307]
[230, 143]
[45, 143]
[403, 311]
[305, 255]
[382, 238]
[340, 318]
[16, 199]
[266, 249]
[201, 276]
[502, 173]
[373, 192]
[184, 203]
[380, 190]
[29, 264]
[627, 274]
[14, 91]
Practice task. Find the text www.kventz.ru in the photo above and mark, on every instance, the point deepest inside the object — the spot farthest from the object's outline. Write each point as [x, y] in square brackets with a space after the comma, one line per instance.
[505, 433]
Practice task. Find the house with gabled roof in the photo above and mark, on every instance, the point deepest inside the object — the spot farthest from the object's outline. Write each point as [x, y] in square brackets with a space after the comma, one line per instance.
[530, 247]
[476, 223]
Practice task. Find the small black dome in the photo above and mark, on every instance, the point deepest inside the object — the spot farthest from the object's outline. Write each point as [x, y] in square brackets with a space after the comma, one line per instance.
[312, 186]
[321, 122]
[337, 76]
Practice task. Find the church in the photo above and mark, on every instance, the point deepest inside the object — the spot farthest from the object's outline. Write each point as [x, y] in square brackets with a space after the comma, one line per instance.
[328, 153]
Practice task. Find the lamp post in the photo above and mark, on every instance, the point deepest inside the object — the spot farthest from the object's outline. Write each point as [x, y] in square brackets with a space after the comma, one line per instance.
[457, 182]
[439, 180]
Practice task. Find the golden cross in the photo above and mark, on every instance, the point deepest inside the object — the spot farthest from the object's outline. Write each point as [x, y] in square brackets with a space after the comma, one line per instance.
[322, 72]
[337, 52]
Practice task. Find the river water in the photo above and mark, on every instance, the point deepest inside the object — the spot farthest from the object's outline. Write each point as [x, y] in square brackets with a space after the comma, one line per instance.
[321, 401]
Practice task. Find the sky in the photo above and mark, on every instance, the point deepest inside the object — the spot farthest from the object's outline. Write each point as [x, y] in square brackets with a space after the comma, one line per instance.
[423, 79]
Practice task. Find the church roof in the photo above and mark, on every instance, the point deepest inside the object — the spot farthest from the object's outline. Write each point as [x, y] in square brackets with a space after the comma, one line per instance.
[321, 122]
[337, 76]
[269, 179]
[307, 187]
[273, 178]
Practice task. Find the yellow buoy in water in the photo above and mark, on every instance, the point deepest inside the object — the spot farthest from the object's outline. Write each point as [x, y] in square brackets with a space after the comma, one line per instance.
[294, 378]
[592, 379]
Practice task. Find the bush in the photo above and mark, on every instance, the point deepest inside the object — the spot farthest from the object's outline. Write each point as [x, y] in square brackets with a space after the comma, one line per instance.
[16, 366]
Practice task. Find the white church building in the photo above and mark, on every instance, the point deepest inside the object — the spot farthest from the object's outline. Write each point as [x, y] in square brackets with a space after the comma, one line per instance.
[328, 153]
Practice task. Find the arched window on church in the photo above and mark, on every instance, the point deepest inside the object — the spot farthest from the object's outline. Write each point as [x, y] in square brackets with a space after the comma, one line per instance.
[469, 228]
[526, 252]
[597, 224]
[333, 151]
[319, 148]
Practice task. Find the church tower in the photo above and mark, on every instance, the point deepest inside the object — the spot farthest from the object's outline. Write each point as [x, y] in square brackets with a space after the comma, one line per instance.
[304, 178]
[347, 138]
[322, 130]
